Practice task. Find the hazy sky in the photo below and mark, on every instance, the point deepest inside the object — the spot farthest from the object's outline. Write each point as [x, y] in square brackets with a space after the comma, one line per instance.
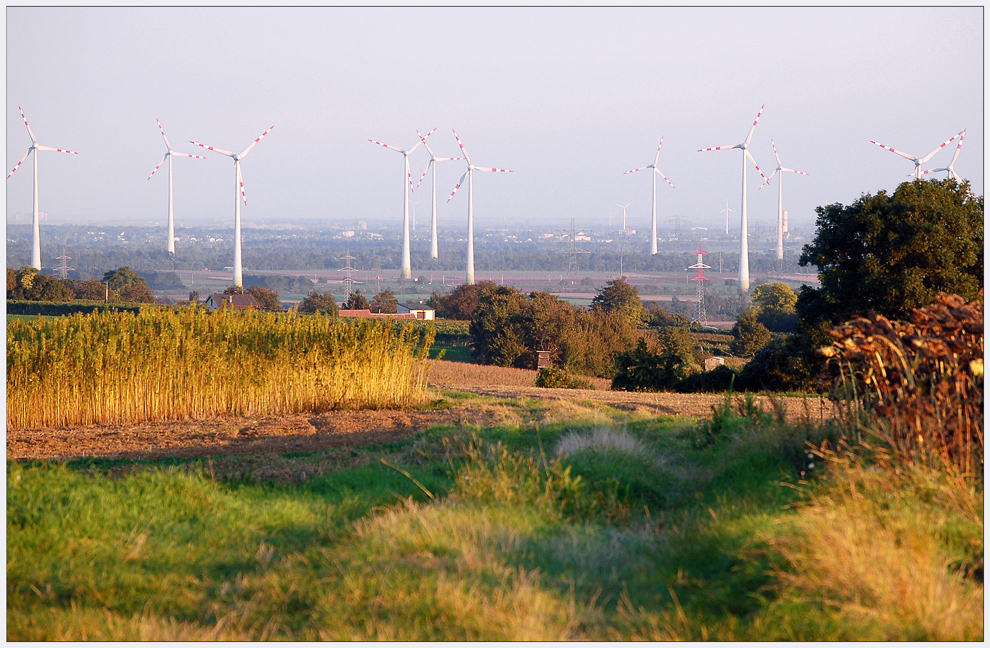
[567, 98]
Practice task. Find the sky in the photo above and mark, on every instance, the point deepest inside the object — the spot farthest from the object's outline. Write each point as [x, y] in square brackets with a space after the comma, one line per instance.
[567, 98]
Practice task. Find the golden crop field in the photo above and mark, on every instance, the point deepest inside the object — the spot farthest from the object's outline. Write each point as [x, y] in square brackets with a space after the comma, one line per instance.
[109, 368]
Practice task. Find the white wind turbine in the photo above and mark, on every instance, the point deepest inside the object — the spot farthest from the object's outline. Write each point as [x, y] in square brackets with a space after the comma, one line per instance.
[623, 215]
[35, 147]
[169, 153]
[406, 260]
[470, 178]
[726, 210]
[238, 187]
[653, 226]
[744, 223]
[434, 251]
[952, 172]
[780, 199]
[917, 161]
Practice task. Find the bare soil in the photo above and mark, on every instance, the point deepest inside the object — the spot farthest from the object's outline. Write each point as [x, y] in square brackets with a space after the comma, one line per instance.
[313, 432]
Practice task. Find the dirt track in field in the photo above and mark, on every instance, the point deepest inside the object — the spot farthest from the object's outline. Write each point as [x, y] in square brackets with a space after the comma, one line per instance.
[314, 432]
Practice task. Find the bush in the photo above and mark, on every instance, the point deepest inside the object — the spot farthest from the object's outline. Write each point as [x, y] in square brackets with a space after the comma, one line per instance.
[554, 378]
[719, 379]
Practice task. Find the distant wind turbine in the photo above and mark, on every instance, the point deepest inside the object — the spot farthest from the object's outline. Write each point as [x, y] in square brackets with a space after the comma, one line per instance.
[169, 153]
[623, 215]
[780, 199]
[951, 171]
[238, 187]
[917, 160]
[653, 226]
[35, 147]
[727, 210]
[744, 223]
[469, 174]
[434, 251]
[407, 177]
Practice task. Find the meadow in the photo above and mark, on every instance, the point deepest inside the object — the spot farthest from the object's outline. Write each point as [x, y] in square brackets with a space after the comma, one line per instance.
[560, 520]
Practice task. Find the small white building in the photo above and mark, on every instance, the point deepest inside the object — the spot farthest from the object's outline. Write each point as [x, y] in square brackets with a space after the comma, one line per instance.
[418, 313]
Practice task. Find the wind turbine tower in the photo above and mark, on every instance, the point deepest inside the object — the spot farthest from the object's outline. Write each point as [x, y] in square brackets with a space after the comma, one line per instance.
[169, 153]
[469, 174]
[238, 188]
[434, 250]
[727, 210]
[781, 225]
[744, 223]
[407, 177]
[656, 170]
[701, 314]
[36, 227]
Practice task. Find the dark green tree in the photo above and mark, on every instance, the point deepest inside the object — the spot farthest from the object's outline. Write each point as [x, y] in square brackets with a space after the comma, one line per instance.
[384, 302]
[317, 302]
[774, 304]
[749, 335]
[356, 301]
[267, 299]
[495, 338]
[460, 303]
[618, 295]
[121, 277]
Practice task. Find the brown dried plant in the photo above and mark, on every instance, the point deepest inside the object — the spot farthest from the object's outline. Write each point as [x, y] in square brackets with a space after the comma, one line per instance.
[918, 383]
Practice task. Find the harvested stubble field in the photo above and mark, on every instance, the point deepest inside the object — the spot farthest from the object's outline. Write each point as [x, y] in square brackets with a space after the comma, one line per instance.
[313, 432]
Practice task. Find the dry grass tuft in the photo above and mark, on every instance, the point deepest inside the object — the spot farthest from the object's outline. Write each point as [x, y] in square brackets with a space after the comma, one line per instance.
[604, 439]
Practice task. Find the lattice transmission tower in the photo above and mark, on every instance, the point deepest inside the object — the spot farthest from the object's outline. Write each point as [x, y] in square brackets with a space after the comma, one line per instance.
[701, 315]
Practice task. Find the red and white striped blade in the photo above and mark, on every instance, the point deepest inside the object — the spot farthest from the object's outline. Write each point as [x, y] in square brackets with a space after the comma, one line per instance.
[767, 181]
[446, 159]
[213, 148]
[188, 155]
[719, 148]
[749, 156]
[753, 127]
[240, 183]
[57, 150]
[459, 183]
[779, 163]
[461, 144]
[491, 170]
[18, 165]
[394, 148]
[793, 171]
[656, 160]
[159, 166]
[893, 150]
[163, 135]
[255, 142]
[425, 171]
[664, 177]
[962, 136]
[30, 132]
[938, 148]
[423, 140]
[635, 170]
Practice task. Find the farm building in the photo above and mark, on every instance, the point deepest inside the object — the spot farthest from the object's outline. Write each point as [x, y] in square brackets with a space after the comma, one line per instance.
[217, 301]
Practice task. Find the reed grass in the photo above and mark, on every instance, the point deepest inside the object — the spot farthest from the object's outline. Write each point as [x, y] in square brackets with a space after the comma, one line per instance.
[158, 365]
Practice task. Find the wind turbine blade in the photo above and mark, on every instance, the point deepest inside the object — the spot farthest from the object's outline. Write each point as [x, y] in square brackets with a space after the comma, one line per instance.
[255, 142]
[779, 163]
[962, 136]
[719, 148]
[18, 165]
[164, 157]
[386, 145]
[893, 150]
[30, 132]
[461, 144]
[213, 148]
[635, 170]
[664, 177]
[767, 181]
[188, 155]
[446, 159]
[459, 183]
[491, 170]
[753, 127]
[57, 150]
[169, 146]
[656, 160]
[751, 159]
[425, 171]
[796, 171]
[240, 182]
[937, 149]
[423, 140]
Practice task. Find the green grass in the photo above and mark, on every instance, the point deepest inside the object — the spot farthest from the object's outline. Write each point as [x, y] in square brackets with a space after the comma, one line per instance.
[459, 353]
[598, 527]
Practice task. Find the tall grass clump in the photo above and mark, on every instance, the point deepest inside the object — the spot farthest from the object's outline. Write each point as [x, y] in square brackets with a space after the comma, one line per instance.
[918, 385]
[157, 365]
